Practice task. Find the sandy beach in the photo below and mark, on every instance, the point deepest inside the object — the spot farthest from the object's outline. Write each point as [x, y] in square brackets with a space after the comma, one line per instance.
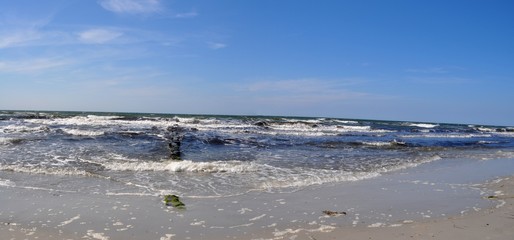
[491, 223]
[409, 204]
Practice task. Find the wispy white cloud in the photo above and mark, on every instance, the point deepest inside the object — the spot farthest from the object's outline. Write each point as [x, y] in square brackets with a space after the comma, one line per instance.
[297, 85]
[15, 32]
[309, 90]
[98, 36]
[190, 14]
[33, 37]
[300, 85]
[427, 70]
[433, 70]
[36, 33]
[442, 80]
[216, 45]
[18, 37]
[32, 65]
[131, 6]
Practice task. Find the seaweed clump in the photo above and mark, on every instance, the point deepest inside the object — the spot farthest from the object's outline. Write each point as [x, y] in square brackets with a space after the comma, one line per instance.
[333, 213]
[174, 201]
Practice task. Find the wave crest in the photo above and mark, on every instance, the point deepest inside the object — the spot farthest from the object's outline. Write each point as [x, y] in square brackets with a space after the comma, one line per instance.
[183, 166]
[45, 170]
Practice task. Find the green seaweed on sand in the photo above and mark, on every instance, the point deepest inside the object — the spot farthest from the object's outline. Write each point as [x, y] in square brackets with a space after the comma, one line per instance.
[493, 197]
[174, 201]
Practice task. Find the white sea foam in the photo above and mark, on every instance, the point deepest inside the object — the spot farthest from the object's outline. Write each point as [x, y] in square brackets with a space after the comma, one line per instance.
[281, 234]
[262, 176]
[497, 155]
[345, 121]
[315, 177]
[488, 142]
[376, 225]
[131, 194]
[96, 235]
[505, 134]
[378, 144]
[347, 128]
[423, 125]
[408, 165]
[78, 132]
[257, 218]
[5, 141]
[447, 135]
[485, 129]
[294, 120]
[44, 170]
[91, 120]
[23, 129]
[302, 129]
[69, 221]
[183, 166]
[259, 176]
[6, 183]
[293, 127]
[102, 117]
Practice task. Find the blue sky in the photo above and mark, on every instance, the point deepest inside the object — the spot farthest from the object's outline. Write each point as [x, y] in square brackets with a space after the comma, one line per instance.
[436, 61]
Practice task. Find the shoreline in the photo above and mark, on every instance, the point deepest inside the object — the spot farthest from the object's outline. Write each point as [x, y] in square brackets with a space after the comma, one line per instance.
[438, 200]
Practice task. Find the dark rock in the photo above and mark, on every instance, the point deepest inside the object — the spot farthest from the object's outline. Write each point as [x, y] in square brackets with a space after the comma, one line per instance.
[18, 141]
[175, 135]
[175, 129]
[221, 141]
[333, 214]
[398, 143]
[262, 124]
[217, 141]
[175, 153]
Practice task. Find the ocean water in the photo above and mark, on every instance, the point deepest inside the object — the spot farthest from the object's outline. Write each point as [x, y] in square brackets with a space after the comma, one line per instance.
[130, 154]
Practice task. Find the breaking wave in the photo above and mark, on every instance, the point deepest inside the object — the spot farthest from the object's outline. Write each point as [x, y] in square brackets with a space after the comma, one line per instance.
[45, 170]
[423, 125]
[78, 132]
[231, 154]
[184, 166]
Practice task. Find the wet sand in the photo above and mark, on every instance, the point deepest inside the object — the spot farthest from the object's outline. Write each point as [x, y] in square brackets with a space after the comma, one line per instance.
[492, 223]
[440, 200]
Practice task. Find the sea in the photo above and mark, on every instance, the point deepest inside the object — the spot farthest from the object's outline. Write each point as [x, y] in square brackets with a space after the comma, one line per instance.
[209, 156]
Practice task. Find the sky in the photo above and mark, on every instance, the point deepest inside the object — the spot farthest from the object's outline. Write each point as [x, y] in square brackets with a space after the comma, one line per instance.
[432, 61]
